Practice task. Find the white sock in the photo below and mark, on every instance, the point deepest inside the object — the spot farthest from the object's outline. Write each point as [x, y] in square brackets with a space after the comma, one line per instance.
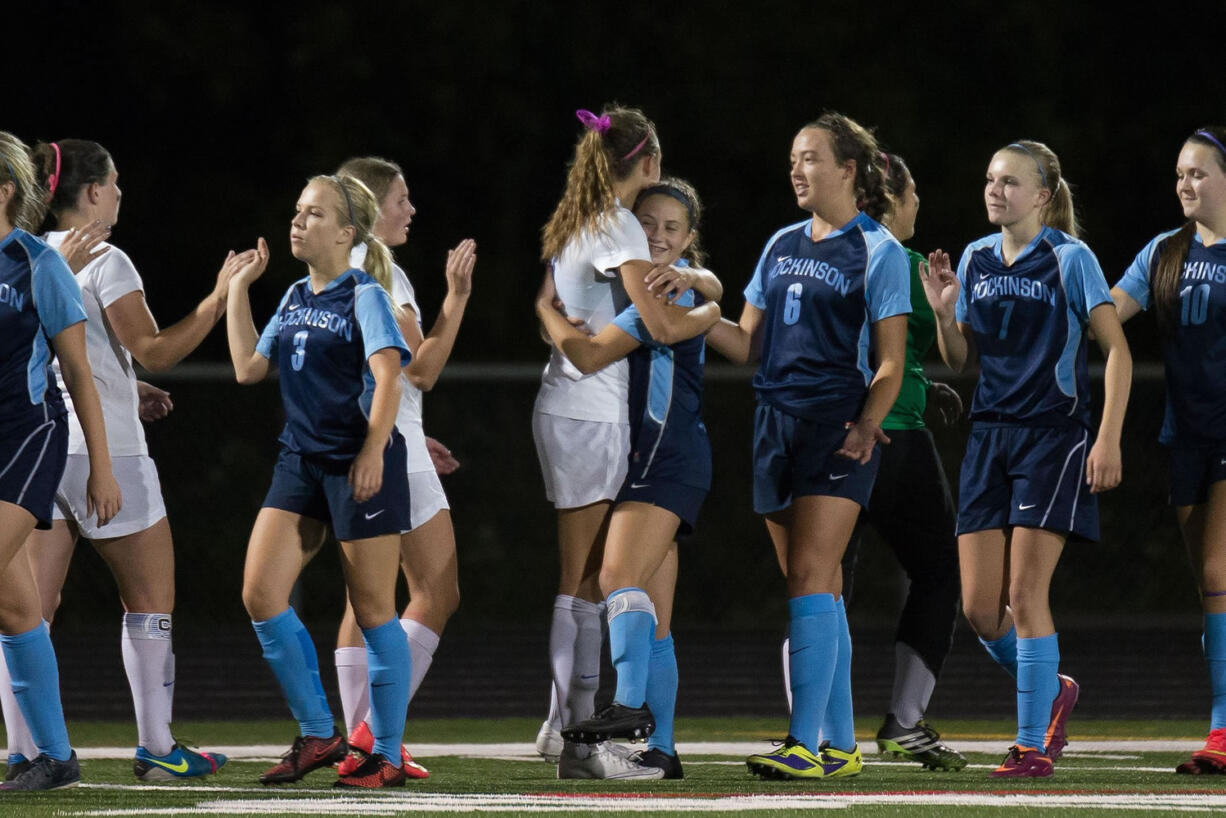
[20, 742]
[353, 684]
[149, 661]
[422, 644]
[575, 637]
[913, 685]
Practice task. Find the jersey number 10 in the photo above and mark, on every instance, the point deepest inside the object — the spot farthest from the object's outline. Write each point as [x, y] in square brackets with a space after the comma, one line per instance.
[1194, 304]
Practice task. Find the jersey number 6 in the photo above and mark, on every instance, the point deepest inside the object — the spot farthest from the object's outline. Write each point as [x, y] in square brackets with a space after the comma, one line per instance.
[791, 304]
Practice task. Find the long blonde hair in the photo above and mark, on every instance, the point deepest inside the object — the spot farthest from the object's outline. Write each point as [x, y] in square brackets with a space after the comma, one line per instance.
[26, 207]
[609, 150]
[358, 207]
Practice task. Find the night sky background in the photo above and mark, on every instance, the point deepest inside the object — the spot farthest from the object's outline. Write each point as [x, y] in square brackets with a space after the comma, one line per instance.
[216, 114]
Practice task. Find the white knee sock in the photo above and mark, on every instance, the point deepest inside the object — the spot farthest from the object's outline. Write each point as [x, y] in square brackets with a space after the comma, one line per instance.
[913, 685]
[575, 638]
[353, 685]
[20, 742]
[149, 661]
[422, 644]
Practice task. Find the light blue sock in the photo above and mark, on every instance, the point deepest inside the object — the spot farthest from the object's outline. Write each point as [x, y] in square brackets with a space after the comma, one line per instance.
[812, 655]
[1003, 651]
[632, 625]
[1215, 654]
[838, 727]
[662, 694]
[1038, 661]
[36, 685]
[388, 664]
[290, 653]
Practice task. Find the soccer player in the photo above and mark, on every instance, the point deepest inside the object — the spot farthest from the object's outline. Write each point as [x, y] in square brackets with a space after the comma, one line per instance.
[1019, 306]
[40, 313]
[339, 351]
[599, 259]
[669, 471]
[83, 185]
[823, 289]
[912, 509]
[427, 552]
[1182, 275]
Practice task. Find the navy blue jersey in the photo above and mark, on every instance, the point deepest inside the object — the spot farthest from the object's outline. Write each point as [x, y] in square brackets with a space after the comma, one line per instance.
[1029, 321]
[39, 298]
[819, 298]
[321, 343]
[1195, 354]
[668, 441]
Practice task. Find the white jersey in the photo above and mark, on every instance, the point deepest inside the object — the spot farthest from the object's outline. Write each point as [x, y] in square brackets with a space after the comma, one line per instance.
[408, 415]
[588, 283]
[105, 280]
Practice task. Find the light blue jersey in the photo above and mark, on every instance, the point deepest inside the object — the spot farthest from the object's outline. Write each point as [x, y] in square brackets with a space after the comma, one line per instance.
[1029, 321]
[819, 300]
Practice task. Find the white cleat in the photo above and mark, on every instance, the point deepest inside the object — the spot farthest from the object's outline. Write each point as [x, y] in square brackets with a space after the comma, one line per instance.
[606, 761]
[549, 743]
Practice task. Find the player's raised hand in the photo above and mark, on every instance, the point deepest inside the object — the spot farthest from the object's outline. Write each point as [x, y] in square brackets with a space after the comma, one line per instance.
[460, 263]
[941, 285]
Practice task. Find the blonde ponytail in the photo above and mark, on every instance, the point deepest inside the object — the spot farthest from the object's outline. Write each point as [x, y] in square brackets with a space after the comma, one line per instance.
[359, 208]
[1058, 212]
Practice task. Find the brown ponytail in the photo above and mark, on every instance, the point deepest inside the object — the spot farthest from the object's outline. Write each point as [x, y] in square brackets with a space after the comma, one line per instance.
[851, 141]
[601, 159]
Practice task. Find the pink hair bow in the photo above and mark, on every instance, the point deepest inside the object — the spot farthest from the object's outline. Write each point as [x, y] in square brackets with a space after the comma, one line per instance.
[599, 124]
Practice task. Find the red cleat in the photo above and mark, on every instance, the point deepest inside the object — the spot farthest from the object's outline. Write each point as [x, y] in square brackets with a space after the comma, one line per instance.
[1061, 707]
[1023, 762]
[1210, 759]
[376, 772]
[308, 753]
[363, 744]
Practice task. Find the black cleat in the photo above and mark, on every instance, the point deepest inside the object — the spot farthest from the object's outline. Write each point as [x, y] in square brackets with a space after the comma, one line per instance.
[614, 721]
[671, 765]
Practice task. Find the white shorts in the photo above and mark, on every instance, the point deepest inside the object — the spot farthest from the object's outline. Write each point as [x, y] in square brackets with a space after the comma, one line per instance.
[582, 461]
[137, 477]
[426, 497]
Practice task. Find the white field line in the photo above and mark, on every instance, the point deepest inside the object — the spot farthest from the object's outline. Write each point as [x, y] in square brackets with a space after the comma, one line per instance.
[521, 751]
[397, 804]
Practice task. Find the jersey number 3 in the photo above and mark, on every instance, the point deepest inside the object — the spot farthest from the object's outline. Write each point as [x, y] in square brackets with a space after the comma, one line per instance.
[300, 339]
[791, 304]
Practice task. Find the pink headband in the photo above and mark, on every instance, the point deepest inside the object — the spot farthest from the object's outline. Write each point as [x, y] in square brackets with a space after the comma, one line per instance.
[599, 124]
[637, 147]
[54, 181]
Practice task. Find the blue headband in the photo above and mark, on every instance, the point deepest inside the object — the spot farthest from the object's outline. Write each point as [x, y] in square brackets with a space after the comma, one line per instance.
[1030, 153]
[1204, 134]
[669, 190]
[348, 201]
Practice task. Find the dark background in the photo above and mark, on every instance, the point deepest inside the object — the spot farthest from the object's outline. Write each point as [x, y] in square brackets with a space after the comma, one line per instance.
[217, 114]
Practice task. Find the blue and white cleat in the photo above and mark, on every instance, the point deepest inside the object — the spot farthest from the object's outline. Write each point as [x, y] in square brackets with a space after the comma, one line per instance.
[180, 762]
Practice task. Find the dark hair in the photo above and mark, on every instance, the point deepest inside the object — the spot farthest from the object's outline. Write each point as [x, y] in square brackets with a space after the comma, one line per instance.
[81, 163]
[1164, 285]
[852, 142]
[896, 174]
[684, 193]
[1058, 212]
[602, 157]
[375, 172]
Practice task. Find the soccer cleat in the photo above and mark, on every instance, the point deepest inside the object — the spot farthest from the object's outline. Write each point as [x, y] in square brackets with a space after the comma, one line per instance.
[791, 760]
[47, 773]
[16, 766]
[1023, 762]
[362, 744]
[604, 761]
[308, 753]
[549, 743]
[376, 772]
[840, 763]
[1210, 759]
[613, 721]
[180, 762]
[919, 743]
[652, 757]
[1066, 699]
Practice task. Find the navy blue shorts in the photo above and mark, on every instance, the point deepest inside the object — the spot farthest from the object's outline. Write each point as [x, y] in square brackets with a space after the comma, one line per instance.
[684, 501]
[795, 457]
[32, 462]
[1031, 476]
[1192, 471]
[320, 489]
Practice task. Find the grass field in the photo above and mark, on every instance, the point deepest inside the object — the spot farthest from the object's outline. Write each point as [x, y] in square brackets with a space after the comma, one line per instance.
[488, 767]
